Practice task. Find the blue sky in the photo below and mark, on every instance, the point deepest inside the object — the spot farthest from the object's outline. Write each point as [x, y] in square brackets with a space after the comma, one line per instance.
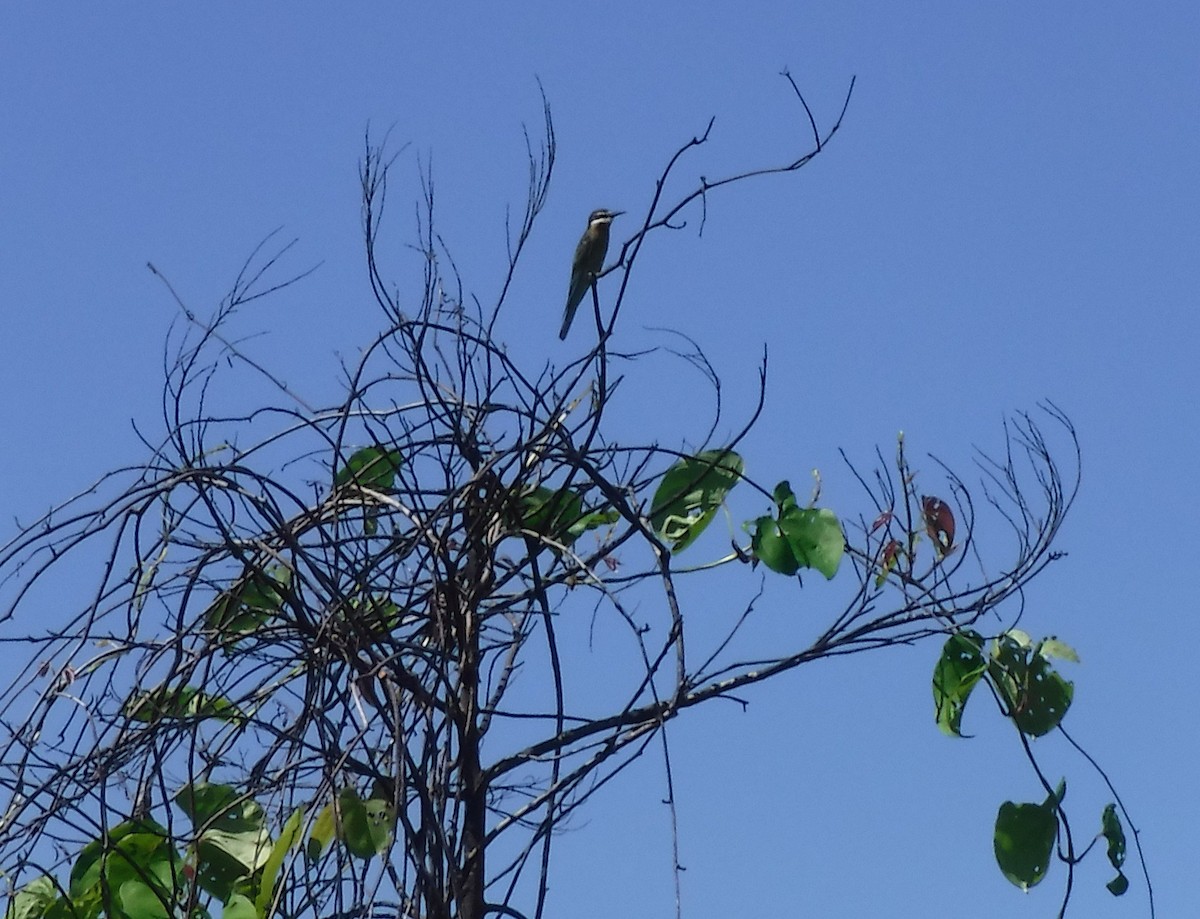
[1010, 213]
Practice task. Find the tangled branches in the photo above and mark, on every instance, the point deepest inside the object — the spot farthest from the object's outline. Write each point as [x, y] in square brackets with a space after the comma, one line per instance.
[322, 636]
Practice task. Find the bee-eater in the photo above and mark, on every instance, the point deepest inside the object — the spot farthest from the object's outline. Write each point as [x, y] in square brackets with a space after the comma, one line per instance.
[589, 261]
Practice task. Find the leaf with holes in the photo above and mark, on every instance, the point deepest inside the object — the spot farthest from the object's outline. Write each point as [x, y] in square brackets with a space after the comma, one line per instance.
[1114, 835]
[939, 524]
[1037, 697]
[956, 674]
[1024, 841]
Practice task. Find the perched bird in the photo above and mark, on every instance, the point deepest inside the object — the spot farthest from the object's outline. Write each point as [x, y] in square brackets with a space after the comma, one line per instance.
[589, 261]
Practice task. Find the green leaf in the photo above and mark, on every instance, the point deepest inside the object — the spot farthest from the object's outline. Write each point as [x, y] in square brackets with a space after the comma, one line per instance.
[1036, 696]
[559, 514]
[179, 702]
[88, 906]
[801, 537]
[1118, 885]
[784, 497]
[1047, 698]
[140, 901]
[204, 801]
[94, 858]
[771, 547]
[365, 827]
[225, 862]
[815, 538]
[955, 675]
[1114, 834]
[239, 906]
[137, 864]
[377, 613]
[549, 511]
[1056, 798]
[231, 856]
[255, 598]
[1052, 647]
[1024, 841]
[233, 841]
[1019, 638]
[356, 831]
[691, 493]
[323, 832]
[381, 821]
[593, 520]
[889, 558]
[33, 900]
[370, 467]
[288, 838]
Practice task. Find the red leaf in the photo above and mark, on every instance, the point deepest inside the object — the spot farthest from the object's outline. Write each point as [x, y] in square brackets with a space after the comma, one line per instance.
[939, 523]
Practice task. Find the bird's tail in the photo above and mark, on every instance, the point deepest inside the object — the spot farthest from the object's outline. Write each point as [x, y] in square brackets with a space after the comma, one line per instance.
[574, 298]
[568, 316]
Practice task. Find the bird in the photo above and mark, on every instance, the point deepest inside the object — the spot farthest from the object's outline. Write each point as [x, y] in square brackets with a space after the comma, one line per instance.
[589, 260]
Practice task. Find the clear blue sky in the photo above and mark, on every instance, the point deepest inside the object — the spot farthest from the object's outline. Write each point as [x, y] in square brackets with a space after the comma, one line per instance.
[1010, 213]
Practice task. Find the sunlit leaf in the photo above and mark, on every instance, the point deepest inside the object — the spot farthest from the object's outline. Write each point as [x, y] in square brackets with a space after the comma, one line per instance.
[289, 837]
[233, 840]
[815, 538]
[956, 674]
[323, 832]
[1019, 638]
[225, 857]
[1052, 647]
[33, 900]
[691, 493]
[381, 820]
[239, 906]
[138, 851]
[800, 537]
[225, 862]
[888, 559]
[140, 901]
